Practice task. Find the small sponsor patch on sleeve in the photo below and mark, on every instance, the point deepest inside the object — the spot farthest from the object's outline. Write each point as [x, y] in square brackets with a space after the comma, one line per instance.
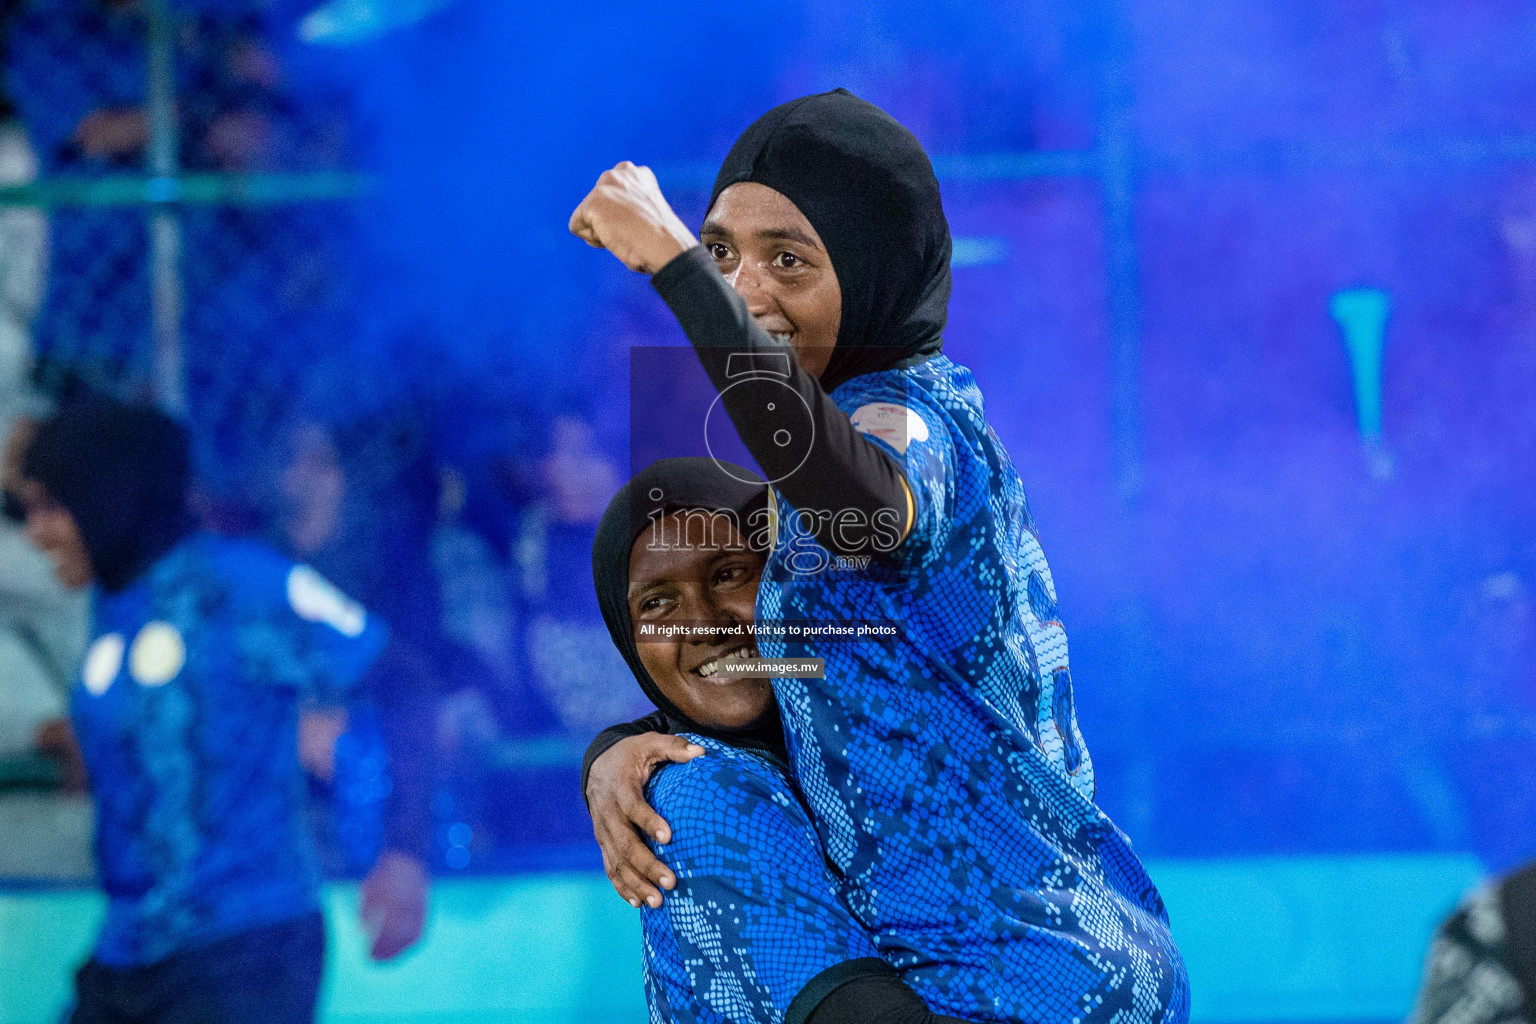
[896, 425]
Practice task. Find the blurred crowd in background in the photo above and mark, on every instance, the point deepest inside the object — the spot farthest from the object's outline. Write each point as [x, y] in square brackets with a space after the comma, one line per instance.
[400, 368]
[479, 557]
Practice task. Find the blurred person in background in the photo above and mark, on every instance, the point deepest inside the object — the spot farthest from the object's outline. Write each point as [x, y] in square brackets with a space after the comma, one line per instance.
[359, 503]
[489, 472]
[45, 817]
[1482, 964]
[262, 283]
[243, 113]
[477, 609]
[80, 73]
[23, 251]
[477, 614]
[76, 71]
[366, 504]
[185, 712]
[361, 524]
[566, 647]
[42, 624]
[43, 627]
[363, 504]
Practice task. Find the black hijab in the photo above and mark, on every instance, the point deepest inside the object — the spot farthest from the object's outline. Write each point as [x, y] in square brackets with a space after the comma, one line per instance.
[665, 487]
[866, 186]
[122, 472]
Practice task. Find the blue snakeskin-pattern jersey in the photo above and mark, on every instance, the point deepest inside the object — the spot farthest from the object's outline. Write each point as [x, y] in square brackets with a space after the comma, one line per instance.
[186, 711]
[755, 915]
[944, 771]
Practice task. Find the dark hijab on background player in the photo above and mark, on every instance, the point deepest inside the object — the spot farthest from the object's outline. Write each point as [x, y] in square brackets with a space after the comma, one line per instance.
[867, 187]
[663, 488]
[122, 472]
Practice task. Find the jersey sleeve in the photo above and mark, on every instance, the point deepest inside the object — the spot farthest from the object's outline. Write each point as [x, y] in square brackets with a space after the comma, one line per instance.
[294, 628]
[904, 421]
[755, 915]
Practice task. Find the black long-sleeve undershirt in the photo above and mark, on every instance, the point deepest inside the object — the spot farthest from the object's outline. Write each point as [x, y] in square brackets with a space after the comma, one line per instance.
[844, 470]
[401, 688]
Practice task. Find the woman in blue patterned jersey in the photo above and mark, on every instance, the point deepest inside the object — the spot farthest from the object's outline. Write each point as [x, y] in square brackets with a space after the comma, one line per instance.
[943, 767]
[755, 932]
[185, 711]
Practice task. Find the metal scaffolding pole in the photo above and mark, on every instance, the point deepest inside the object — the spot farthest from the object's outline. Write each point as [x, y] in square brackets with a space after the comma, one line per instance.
[168, 379]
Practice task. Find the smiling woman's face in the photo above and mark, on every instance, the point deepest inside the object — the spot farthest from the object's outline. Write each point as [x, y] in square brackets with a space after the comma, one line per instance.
[711, 577]
[773, 257]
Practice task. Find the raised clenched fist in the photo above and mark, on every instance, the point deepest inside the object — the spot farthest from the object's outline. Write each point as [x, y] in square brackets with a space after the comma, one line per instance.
[626, 214]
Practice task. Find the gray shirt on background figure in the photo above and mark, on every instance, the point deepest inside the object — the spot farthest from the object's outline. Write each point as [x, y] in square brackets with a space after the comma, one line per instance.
[42, 625]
